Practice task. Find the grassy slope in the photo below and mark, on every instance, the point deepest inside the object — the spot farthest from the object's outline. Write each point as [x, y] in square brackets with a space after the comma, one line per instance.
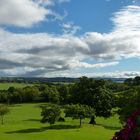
[5, 86]
[23, 124]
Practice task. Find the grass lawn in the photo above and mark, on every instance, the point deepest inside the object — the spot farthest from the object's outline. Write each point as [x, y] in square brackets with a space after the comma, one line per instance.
[23, 123]
[5, 86]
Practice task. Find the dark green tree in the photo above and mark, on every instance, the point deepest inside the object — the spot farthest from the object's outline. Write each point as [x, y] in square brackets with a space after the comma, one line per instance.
[50, 113]
[3, 111]
[93, 93]
[129, 81]
[136, 81]
[78, 111]
[29, 94]
[63, 90]
[50, 94]
[128, 102]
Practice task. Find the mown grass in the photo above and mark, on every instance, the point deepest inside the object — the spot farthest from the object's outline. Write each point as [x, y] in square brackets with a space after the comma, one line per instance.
[23, 123]
[5, 86]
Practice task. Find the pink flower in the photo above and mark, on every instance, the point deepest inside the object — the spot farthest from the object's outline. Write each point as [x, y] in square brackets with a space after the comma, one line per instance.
[129, 128]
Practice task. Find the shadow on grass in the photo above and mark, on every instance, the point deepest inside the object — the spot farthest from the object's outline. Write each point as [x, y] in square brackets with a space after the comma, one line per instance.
[33, 120]
[57, 127]
[109, 127]
[42, 129]
[15, 105]
[112, 127]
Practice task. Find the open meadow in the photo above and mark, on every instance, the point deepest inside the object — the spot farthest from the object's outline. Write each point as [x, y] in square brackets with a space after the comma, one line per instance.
[23, 123]
[5, 86]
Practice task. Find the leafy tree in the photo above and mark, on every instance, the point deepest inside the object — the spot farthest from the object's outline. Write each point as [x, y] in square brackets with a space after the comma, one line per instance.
[50, 94]
[102, 102]
[3, 96]
[128, 102]
[136, 80]
[50, 113]
[78, 111]
[11, 89]
[93, 93]
[116, 87]
[133, 81]
[28, 93]
[10, 93]
[16, 97]
[129, 81]
[63, 90]
[3, 111]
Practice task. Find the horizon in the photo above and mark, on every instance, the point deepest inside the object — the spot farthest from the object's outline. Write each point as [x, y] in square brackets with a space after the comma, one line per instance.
[69, 38]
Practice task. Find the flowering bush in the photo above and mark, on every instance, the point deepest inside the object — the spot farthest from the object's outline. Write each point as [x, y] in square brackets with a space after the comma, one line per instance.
[131, 130]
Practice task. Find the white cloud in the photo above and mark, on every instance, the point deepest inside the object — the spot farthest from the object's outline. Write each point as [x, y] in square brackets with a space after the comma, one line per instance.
[115, 74]
[26, 13]
[128, 19]
[70, 28]
[45, 2]
[126, 1]
[42, 54]
[77, 64]
[57, 16]
[63, 1]
[23, 13]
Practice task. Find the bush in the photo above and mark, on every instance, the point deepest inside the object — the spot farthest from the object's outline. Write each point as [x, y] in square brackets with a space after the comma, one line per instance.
[131, 130]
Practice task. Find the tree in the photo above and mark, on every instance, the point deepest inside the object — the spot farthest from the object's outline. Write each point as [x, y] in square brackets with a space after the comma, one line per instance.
[93, 93]
[136, 80]
[3, 111]
[133, 81]
[50, 94]
[28, 93]
[102, 102]
[10, 93]
[128, 102]
[50, 113]
[63, 90]
[11, 89]
[129, 81]
[78, 111]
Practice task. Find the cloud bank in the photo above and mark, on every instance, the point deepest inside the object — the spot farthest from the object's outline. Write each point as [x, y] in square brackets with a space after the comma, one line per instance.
[44, 54]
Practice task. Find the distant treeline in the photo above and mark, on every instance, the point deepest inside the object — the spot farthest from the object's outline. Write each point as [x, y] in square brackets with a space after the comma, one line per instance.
[59, 93]
[133, 81]
[50, 80]
[36, 79]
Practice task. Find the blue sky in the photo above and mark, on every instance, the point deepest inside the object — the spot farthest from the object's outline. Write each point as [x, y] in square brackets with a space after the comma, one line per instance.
[72, 38]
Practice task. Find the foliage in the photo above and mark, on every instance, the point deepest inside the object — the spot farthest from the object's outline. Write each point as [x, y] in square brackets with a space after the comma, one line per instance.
[78, 111]
[50, 94]
[133, 81]
[50, 113]
[116, 87]
[131, 130]
[93, 93]
[63, 90]
[128, 102]
[3, 111]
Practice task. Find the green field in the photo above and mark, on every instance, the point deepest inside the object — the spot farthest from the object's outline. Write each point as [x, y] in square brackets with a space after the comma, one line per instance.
[23, 123]
[5, 86]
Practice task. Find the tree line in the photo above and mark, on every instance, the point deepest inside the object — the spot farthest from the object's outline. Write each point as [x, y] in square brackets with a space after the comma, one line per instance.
[99, 95]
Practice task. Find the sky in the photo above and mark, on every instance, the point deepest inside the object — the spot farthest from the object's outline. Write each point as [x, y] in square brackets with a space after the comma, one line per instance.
[70, 38]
